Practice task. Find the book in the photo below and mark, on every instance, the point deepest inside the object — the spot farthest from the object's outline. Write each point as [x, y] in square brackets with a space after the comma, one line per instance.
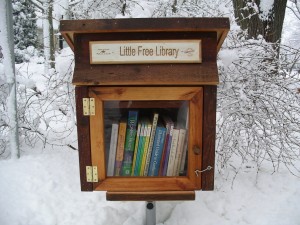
[169, 124]
[140, 147]
[179, 151]
[146, 145]
[173, 149]
[158, 145]
[112, 149]
[129, 142]
[182, 169]
[120, 148]
[136, 145]
[149, 151]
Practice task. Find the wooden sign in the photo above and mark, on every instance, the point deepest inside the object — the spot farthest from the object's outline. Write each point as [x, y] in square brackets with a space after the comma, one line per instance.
[146, 51]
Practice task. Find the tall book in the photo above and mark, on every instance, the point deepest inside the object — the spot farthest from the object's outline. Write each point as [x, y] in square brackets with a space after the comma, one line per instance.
[158, 146]
[149, 151]
[182, 170]
[166, 150]
[173, 149]
[120, 148]
[165, 168]
[129, 142]
[139, 150]
[146, 145]
[136, 146]
[179, 151]
[112, 149]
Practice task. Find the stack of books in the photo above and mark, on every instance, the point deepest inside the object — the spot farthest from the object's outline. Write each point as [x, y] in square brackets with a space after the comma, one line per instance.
[142, 146]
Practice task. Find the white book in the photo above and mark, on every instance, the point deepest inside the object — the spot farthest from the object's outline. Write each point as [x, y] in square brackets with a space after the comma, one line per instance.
[185, 147]
[173, 150]
[179, 152]
[112, 149]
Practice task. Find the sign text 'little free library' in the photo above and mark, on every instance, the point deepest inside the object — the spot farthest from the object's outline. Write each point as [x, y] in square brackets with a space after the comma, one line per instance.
[154, 51]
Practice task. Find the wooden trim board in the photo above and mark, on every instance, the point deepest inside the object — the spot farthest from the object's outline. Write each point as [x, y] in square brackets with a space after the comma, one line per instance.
[151, 196]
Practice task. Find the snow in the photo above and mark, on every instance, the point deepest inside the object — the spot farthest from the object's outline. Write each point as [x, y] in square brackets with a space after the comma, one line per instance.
[227, 56]
[265, 7]
[43, 187]
[143, 9]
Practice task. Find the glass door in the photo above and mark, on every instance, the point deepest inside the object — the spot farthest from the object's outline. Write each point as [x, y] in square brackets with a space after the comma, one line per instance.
[144, 138]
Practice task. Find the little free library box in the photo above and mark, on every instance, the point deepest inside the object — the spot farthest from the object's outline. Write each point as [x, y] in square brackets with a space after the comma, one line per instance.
[146, 104]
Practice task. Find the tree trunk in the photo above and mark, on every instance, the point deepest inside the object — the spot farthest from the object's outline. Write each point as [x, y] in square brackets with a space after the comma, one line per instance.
[48, 35]
[9, 68]
[251, 17]
[51, 35]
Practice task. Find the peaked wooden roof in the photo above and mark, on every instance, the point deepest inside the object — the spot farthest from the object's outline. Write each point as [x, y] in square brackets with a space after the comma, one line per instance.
[70, 27]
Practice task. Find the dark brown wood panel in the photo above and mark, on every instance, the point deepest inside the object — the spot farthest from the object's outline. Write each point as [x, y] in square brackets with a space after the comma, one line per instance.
[219, 25]
[151, 196]
[144, 24]
[208, 42]
[209, 136]
[84, 144]
[148, 75]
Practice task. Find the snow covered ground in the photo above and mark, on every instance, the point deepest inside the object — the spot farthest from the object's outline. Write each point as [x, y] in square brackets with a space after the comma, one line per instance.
[43, 188]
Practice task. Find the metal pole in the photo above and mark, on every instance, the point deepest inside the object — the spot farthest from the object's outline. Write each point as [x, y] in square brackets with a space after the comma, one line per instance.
[150, 213]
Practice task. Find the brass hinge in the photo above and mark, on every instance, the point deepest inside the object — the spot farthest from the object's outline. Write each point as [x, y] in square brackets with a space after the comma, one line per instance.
[88, 106]
[92, 174]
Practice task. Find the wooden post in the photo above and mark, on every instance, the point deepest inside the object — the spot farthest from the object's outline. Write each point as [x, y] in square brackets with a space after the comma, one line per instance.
[209, 134]
[84, 144]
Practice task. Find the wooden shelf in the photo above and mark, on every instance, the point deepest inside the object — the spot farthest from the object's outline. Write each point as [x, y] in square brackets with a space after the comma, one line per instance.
[151, 196]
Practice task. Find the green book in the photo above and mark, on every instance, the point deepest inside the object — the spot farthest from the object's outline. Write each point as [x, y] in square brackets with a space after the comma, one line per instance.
[140, 149]
[136, 146]
[129, 143]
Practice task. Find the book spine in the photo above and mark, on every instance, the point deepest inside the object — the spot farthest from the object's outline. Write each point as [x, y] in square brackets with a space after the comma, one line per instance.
[166, 160]
[144, 155]
[138, 156]
[179, 151]
[184, 155]
[129, 143]
[158, 145]
[185, 148]
[112, 149]
[120, 148]
[164, 152]
[136, 145]
[149, 152]
[173, 152]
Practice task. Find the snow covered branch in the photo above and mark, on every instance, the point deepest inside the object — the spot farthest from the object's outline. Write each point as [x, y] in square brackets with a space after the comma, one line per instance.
[259, 106]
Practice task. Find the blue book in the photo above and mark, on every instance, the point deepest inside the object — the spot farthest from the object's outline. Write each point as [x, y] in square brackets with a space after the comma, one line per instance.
[157, 150]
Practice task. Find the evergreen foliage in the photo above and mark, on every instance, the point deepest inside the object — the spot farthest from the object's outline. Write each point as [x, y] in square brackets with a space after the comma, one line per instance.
[25, 28]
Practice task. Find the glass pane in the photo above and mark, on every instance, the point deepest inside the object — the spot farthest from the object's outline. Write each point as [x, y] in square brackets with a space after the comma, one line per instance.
[146, 138]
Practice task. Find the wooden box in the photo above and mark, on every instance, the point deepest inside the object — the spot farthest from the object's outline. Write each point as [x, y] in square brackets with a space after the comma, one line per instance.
[163, 66]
